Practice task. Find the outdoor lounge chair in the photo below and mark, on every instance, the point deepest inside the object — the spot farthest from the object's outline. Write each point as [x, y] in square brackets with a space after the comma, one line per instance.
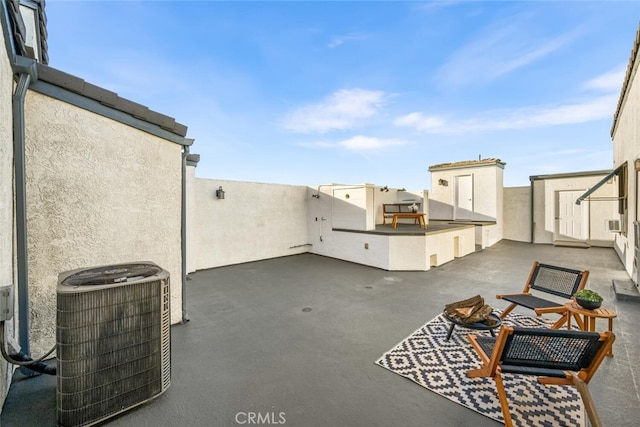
[557, 357]
[559, 281]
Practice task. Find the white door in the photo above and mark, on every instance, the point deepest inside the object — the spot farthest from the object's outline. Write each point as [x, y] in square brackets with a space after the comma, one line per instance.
[572, 218]
[464, 197]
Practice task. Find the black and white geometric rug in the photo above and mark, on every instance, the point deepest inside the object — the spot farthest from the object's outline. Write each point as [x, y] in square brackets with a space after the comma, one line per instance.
[426, 358]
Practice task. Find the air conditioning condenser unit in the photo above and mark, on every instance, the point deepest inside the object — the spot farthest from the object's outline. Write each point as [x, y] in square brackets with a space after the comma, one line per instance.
[113, 340]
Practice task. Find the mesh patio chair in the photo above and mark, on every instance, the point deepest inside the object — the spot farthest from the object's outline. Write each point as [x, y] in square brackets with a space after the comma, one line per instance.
[550, 279]
[556, 357]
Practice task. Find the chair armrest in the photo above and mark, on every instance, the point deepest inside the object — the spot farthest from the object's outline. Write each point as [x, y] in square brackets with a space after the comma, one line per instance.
[500, 296]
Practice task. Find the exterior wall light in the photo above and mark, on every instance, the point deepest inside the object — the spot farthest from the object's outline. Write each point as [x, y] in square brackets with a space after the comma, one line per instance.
[220, 193]
[443, 182]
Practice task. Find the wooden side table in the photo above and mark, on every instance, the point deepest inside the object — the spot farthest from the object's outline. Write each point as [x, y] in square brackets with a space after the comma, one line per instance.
[588, 320]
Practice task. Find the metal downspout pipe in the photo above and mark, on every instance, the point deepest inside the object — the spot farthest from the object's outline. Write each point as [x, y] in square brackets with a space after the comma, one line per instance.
[25, 68]
[183, 231]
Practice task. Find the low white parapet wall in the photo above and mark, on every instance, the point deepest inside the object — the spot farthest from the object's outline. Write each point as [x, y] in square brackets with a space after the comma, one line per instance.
[254, 221]
[258, 221]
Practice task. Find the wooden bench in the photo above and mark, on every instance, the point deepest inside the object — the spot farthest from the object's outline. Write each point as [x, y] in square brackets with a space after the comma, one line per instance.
[550, 279]
[388, 209]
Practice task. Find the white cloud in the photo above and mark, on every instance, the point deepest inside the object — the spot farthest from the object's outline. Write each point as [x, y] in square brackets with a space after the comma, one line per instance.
[340, 40]
[435, 6]
[420, 122]
[611, 81]
[522, 118]
[357, 143]
[343, 109]
[499, 50]
[365, 143]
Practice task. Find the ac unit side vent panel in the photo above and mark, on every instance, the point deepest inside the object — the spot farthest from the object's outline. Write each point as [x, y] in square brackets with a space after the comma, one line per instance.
[114, 347]
[613, 225]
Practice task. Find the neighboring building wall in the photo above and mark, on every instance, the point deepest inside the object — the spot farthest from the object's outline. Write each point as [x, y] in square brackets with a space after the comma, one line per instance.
[626, 148]
[487, 180]
[98, 192]
[254, 221]
[487, 196]
[517, 214]
[546, 189]
[6, 193]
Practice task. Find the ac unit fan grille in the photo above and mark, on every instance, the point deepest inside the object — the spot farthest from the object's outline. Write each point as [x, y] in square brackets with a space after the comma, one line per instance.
[113, 349]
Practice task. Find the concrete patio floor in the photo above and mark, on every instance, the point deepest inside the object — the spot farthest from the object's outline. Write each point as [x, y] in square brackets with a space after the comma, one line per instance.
[297, 338]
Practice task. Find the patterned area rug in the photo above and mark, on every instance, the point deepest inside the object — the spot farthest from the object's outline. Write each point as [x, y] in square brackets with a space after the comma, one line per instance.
[427, 359]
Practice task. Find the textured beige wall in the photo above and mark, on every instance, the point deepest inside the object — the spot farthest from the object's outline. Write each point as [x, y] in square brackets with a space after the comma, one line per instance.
[6, 191]
[255, 221]
[487, 192]
[98, 192]
[626, 148]
[545, 207]
[517, 214]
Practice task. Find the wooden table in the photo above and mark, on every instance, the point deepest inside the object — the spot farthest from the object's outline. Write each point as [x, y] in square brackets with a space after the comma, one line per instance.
[588, 320]
[418, 216]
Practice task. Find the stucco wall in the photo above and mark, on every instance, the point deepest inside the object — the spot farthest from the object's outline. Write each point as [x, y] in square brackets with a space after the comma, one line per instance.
[517, 214]
[487, 192]
[545, 207]
[6, 192]
[255, 221]
[626, 148]
[393, 253]
[98, 192]
[441, 197]
[440, 248]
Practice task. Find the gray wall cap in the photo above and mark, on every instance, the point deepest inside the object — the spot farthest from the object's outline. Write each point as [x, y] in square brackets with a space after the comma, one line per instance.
[193, 159]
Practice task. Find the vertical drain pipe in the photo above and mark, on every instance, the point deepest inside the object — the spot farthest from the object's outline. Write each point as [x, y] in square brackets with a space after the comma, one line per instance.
[183, 230]
[26, 70]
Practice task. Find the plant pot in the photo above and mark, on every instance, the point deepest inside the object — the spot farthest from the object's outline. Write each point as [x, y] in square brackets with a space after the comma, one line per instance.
[589, 305]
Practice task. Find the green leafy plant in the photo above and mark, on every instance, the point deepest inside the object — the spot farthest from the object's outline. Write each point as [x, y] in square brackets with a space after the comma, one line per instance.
[588, 295]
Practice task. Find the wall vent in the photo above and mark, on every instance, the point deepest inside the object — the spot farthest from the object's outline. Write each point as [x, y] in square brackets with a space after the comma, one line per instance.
[613, 225]
[113, 340]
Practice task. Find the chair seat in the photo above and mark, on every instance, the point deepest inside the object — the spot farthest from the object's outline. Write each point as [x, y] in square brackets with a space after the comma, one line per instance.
[531, 301]
[540, 372]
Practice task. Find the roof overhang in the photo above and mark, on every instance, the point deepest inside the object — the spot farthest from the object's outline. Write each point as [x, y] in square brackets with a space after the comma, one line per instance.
[600, 183]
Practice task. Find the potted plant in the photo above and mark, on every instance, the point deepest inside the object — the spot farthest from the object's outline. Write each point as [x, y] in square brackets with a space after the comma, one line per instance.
[588, 299]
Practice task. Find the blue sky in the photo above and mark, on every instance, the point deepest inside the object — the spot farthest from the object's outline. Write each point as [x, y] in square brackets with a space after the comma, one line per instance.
[309, 93]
